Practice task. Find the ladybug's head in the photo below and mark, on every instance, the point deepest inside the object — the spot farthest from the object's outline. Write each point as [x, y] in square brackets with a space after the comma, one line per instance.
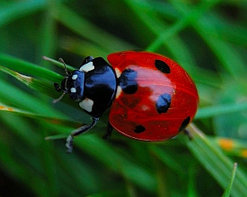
[72, 84]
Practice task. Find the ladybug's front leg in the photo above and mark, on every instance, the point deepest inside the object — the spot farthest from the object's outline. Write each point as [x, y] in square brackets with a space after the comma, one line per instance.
[83, 129]
[187, 132]
[108, 131]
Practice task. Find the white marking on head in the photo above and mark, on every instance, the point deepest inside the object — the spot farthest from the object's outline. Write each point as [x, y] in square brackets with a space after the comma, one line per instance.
[119, 91]
[74, 77]
[72, 90]
[87, 104]
[118, 72]
[87, 67]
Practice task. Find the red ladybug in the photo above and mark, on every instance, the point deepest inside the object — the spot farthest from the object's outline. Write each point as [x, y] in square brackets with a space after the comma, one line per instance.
[151, 97]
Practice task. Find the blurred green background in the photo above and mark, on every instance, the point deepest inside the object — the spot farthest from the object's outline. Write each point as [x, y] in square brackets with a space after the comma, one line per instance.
[208, 38]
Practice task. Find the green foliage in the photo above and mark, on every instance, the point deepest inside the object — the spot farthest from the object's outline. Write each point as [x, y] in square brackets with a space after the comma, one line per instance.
[208, 38]
[229, 187]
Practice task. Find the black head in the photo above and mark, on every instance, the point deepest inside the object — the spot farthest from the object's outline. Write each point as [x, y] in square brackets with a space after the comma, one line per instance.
[93, 86]
[72, 84]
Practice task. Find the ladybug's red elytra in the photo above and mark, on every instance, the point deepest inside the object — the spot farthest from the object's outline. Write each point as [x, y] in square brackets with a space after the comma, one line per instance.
[151, 97]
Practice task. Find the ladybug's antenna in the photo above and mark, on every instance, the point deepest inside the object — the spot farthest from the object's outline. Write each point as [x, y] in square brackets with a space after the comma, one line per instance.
[59, 98]
[57, 63]
[59, 89]
[65, 67]
[56, 85]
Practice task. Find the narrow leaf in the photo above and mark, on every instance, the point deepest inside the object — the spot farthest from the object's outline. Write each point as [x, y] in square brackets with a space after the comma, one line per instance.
[227, 192]
[28, 68]
[221, 109]
[213, 159]
[54, 120]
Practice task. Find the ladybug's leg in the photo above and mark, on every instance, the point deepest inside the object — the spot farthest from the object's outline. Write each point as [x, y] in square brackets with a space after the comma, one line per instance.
[87, 59]
[108, 131]
[83, 129]
[186, 132]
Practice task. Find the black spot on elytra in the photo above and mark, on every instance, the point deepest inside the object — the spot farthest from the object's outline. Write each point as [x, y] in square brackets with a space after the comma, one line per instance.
[139, 129]
[184, 123]
[162, 66]
[163, 103]
[127, 81]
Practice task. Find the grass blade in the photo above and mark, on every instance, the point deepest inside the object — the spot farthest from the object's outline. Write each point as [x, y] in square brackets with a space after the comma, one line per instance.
[212, 111]
[212, 158]
[87, 30]
[54, 120]
[16, 10]
[227, 192]
[190, 18]
[28, 68]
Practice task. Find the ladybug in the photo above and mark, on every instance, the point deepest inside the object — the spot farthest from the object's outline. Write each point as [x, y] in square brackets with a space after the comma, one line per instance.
[151, 97]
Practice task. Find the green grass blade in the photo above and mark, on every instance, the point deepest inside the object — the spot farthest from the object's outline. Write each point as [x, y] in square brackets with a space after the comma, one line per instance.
[181, 52]
[113, 160]
[68, 163]
[42, 87]
[212, 111]
[228, 31]
[25, 101]
[227, 192]
[83, 47]
[38, 85]
[87, 30]
[212, 158]
[191, 17]
[222, 50]
[234, 147]
[48, 31]
[48, 118]
[156, 25]
[15, 10]
[19, 170]
[192, 190]
[167, 159]
[58, 63]
[28, 68]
